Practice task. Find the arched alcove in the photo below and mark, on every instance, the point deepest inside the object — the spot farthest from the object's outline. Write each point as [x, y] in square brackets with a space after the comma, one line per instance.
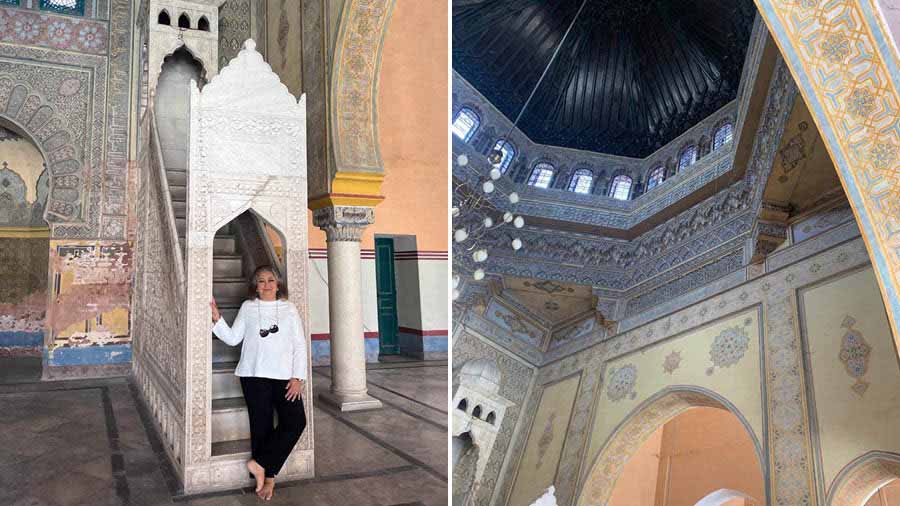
[172, 104]
[184, 21]
[164, 18]
[640, 425]
[463, 405]
[203, 24]
[24, 254]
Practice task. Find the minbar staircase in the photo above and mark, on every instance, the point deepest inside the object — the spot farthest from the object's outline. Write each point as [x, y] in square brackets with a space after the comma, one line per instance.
[230, 425]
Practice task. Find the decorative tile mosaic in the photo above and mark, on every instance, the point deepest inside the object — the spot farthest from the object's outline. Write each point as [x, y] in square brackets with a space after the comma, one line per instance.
[20, 26]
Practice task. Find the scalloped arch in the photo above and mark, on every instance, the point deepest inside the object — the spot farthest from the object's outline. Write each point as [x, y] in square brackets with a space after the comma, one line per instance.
[33, 115]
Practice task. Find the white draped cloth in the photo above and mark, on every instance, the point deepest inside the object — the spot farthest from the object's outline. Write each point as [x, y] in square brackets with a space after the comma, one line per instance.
[280, 355]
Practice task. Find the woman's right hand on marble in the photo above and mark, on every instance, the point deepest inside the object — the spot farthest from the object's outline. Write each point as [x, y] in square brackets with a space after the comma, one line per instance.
[215, 311]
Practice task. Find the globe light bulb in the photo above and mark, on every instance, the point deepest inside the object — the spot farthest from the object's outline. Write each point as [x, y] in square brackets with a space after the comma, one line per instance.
[478, 274]
[516, 244]
[513, 198]
[519, 222]
[460, 235]
[455, 294]
[480, 255]
[462, 160]
[507, 217]
[488, 187]
[495, 174]
[456, 281]
[488, 222]
[454, 211]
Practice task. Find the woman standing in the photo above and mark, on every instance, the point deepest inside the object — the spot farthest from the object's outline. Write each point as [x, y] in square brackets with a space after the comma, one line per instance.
[272, 369]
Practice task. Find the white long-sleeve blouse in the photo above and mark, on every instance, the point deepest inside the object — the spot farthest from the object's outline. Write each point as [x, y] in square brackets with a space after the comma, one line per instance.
[281, 355]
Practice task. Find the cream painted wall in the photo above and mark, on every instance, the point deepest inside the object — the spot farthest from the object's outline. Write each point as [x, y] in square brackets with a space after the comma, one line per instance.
[23, 158]
[537, 469]
[739, 383]
[850, 423]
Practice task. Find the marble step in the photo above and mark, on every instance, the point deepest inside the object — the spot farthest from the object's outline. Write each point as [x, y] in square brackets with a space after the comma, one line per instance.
[227, 266]
[238, 446]
[176, 177]
[229, 288]
[179, 192]
[180, 208]
[224, 245]
[222, 353]
[225, 384]
[229, 419]
[180, 224]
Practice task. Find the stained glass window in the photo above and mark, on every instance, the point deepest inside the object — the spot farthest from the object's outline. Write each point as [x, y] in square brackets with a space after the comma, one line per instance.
[687, 158]
[581, 181]
[541, 175]
[723, 136]
[64, 6]
[657, 176]
[465, 124]
[621, 187]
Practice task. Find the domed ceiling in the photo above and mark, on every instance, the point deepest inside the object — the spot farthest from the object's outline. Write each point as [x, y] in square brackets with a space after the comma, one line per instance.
[630, 77]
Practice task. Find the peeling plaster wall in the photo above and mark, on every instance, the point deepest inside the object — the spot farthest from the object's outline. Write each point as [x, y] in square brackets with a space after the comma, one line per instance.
[88, 317]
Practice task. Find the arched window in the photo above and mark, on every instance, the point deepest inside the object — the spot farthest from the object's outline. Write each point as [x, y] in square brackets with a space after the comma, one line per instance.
[581, 181]
[723, 136]
[491, 418]
[163, 18]
[203, 24]
[541, 175]
[620, 188]
[477, 412]
[656, 177]
[465, 124]
[687, 158]
[463, 405]
[508, 151]
[184, 21]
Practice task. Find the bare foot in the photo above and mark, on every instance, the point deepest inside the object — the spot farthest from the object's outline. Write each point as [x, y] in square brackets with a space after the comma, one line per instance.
[258, 472]
[268, 490]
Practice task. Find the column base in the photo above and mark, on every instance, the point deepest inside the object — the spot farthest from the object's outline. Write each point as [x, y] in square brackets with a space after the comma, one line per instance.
[346, 403]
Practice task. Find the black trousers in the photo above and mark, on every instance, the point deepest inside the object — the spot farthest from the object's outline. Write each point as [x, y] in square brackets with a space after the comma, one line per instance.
[271, 446]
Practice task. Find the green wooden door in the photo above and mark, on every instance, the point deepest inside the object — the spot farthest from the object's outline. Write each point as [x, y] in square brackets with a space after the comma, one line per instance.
[387, 296]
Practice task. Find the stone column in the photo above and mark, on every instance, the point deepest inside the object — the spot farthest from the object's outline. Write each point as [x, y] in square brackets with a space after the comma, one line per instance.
[343, 226]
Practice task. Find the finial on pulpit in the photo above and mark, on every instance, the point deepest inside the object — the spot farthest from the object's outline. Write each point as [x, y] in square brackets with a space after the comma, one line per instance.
[250, 44]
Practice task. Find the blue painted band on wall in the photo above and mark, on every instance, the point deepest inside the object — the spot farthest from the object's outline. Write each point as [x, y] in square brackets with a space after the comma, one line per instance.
[21, 338]
[434, 343]
[321, 351]
[90, 355]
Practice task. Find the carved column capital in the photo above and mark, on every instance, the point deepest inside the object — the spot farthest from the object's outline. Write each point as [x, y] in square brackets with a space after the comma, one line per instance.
[343, 223]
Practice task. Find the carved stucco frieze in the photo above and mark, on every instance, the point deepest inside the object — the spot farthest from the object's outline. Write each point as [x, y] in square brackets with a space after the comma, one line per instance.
[343, 223]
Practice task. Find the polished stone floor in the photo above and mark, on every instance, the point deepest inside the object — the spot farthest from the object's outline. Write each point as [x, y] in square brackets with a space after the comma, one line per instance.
[86, 442]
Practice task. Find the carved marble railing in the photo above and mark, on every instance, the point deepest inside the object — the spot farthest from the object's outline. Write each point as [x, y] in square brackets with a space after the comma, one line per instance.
[158, 306]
